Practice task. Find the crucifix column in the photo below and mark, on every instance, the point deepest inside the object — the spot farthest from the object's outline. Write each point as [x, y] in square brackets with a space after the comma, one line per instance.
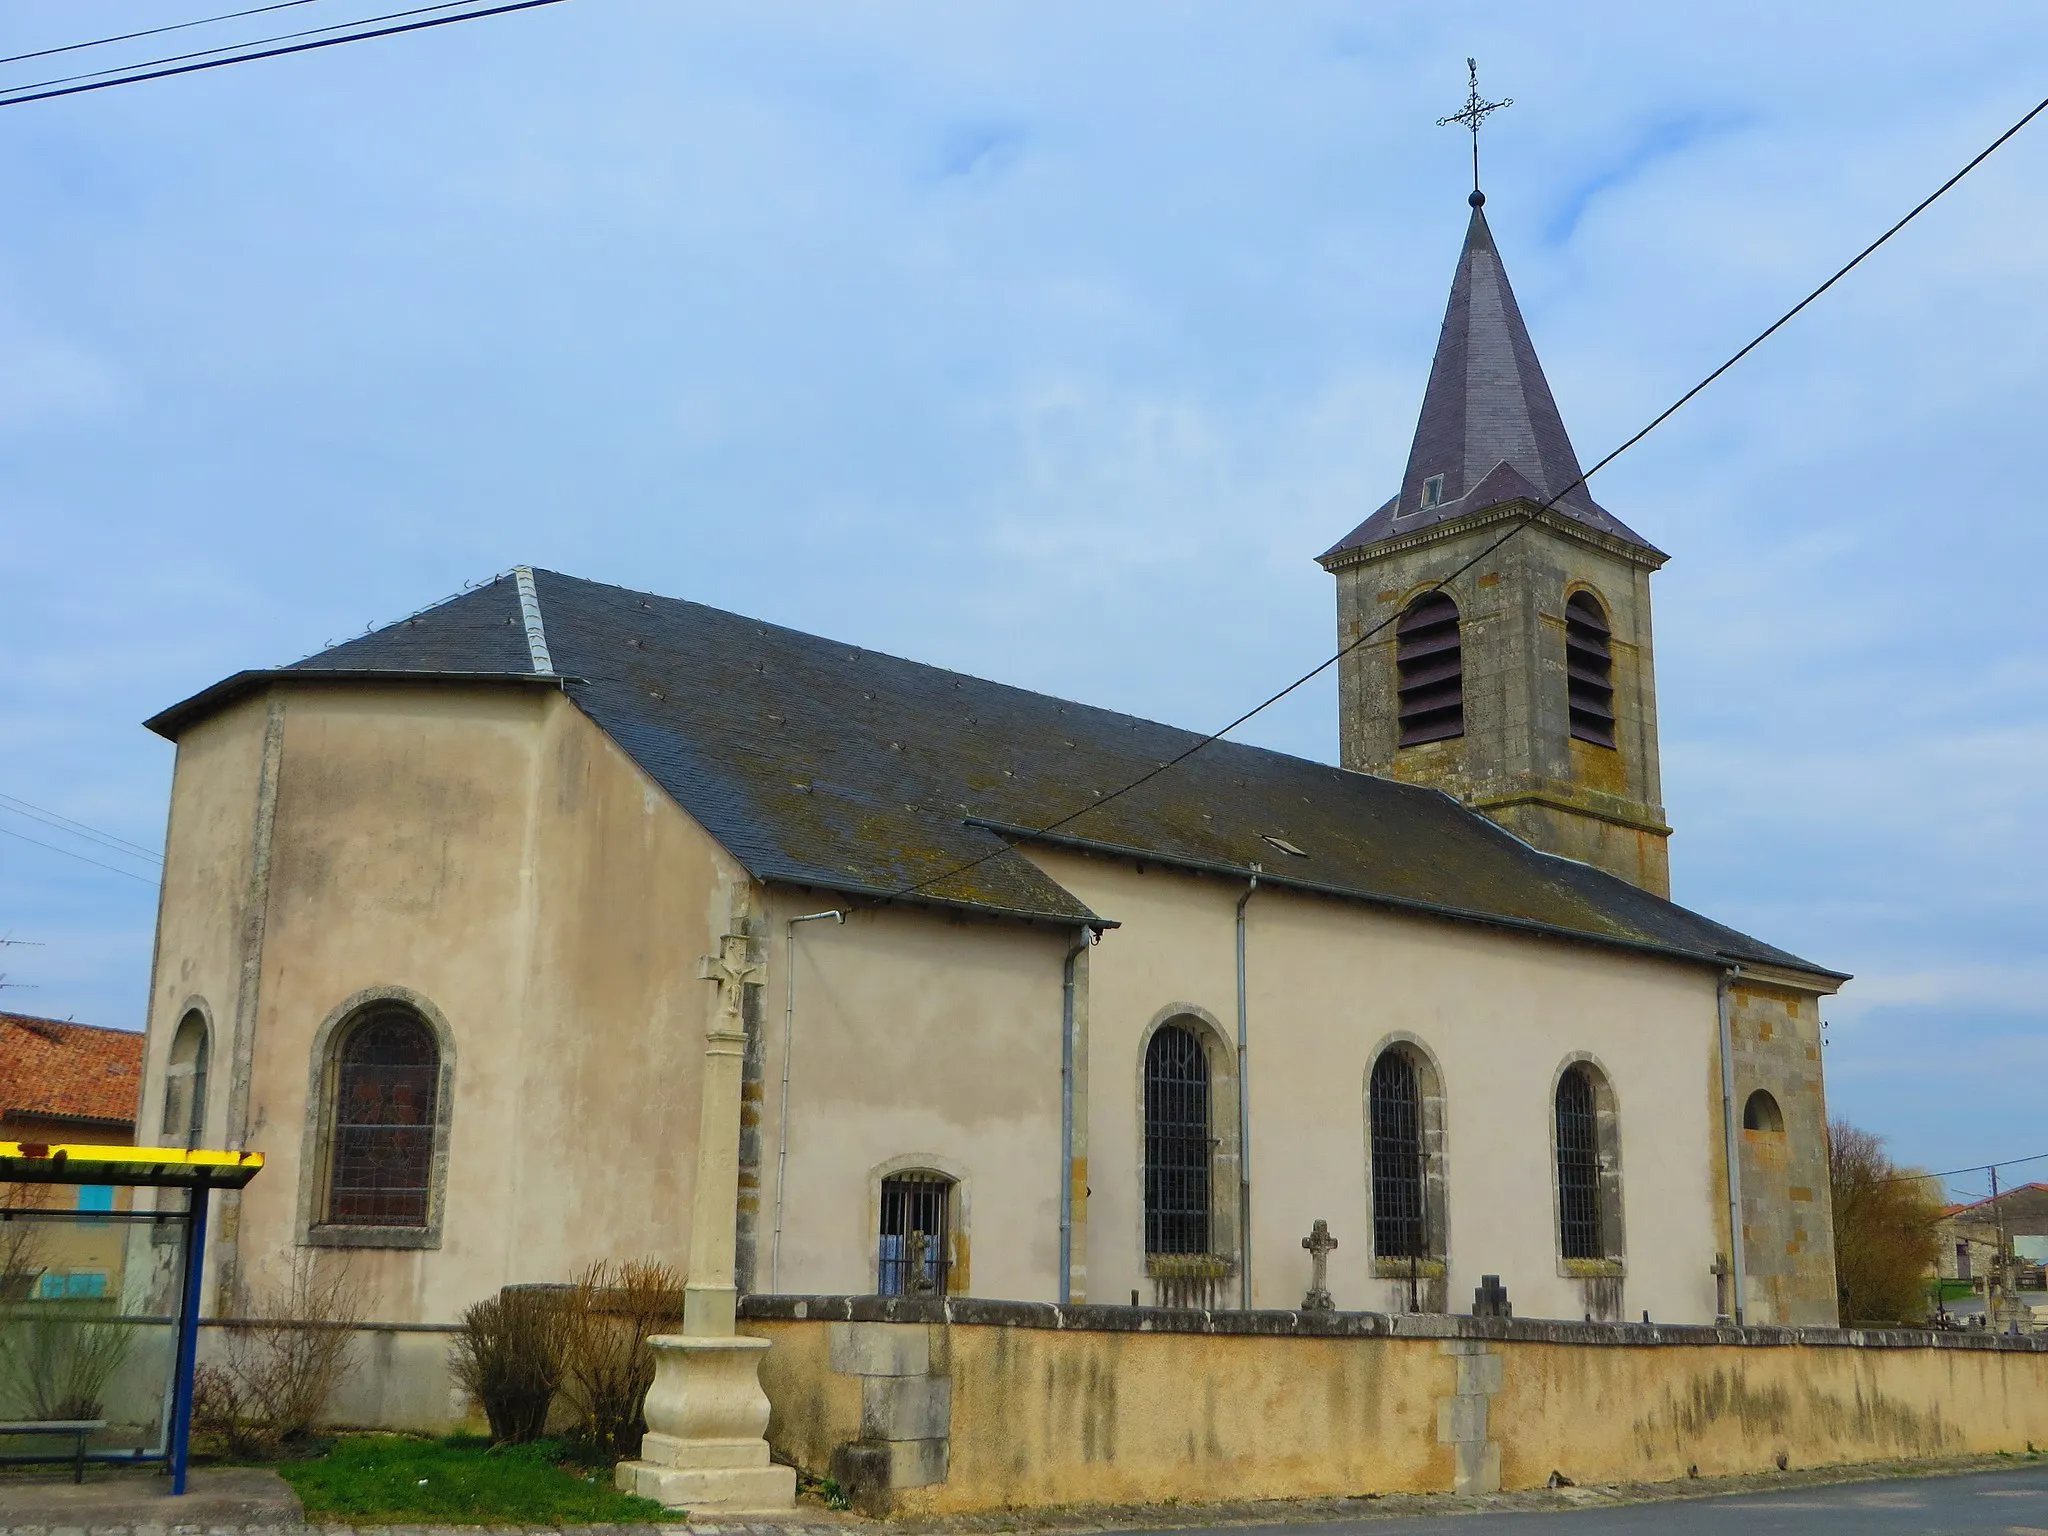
[705, 1446]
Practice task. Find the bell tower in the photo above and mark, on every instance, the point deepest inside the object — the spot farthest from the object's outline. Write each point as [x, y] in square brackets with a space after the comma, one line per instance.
[1517, 672]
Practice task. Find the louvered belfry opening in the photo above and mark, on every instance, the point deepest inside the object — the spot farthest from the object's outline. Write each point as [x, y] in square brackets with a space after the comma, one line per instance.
[387, 1081]
[1399, 1225]
[1578, 1167]
[1589, 668]
[1431, 662]
[916, 1247]
[1177, 1142]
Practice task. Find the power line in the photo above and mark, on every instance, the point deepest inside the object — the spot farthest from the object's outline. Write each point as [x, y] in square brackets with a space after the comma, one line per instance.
[69, 854]
[236, 48]
[50, 818]
[2004, 1162]
[151, 73]
[176, 26]
[1523, 520]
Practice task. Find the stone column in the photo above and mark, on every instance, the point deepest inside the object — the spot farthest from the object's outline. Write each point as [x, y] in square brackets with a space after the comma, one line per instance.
[706, 1413]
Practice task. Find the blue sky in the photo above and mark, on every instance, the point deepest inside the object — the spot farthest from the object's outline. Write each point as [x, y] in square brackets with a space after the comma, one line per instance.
[1051, 342]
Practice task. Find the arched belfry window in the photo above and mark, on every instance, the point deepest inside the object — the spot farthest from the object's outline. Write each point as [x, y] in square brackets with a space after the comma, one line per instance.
[1589, 669]
[1429, 657]
[184, 1122]
[387, 1071]
[1760, 1112]
[1400, 1216]
[1178, 1143]
[1578, 1168]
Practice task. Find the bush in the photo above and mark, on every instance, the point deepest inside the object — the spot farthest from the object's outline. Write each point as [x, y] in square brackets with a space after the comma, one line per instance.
[56, 1358]
[282, 1362]
[509, 1358]
[1885, 1236]
[607, 1366]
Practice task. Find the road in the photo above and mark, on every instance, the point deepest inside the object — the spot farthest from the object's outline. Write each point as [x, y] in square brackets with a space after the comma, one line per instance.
[1980, 1504]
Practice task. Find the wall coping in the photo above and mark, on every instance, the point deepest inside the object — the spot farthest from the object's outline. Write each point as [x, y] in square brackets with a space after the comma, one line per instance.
[967, 1311]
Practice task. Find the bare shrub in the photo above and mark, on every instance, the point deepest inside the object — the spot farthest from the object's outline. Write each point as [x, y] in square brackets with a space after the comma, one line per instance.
[56, 1357]
[218, 1408]
[607, 1366]
[509, 1358]
[295, 1345]
[21, 1248]
[1885, 1236]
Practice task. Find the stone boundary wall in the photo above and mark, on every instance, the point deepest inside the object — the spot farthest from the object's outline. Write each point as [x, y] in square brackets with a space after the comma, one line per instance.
[940, 1405]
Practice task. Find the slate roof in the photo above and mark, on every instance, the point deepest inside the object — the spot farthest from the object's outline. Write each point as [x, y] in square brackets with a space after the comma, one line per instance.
[818, 763]
[53, 1069]
[1488, 425]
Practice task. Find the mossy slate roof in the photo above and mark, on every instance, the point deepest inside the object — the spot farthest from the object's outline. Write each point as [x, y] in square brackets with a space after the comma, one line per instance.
[818, 763]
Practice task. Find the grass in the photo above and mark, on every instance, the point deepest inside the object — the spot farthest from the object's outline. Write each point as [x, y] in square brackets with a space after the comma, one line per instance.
[460, 1480]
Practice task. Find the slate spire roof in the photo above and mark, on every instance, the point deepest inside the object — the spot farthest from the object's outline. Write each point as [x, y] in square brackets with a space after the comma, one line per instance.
[818, 763]
[1489, 425]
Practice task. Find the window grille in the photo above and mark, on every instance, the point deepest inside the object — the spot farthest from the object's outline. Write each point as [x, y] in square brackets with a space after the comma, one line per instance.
[1177, 1142]
[387, 1080]
[1429, 658]
[1589, 669]
[1578, 1167]
[915, 1253]
[1399, 1230]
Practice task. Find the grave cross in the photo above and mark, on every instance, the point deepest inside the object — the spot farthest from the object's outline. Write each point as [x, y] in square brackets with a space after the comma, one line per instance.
[732, 970]
[1318, 1243]
[1490, 1298]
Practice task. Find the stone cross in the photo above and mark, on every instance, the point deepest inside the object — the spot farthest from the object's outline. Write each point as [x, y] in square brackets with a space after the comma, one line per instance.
[1490, 1299]
[732, 970]
[1318, 1243]
[1722, 1271]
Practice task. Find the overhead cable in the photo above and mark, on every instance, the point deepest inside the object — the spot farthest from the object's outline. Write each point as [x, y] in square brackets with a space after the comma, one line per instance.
[69, 854]
[149, 71]
[50, 818]
[1523, 520]
[176, 26]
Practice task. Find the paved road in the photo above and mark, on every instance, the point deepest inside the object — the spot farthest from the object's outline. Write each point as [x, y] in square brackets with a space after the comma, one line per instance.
[1977, 1504]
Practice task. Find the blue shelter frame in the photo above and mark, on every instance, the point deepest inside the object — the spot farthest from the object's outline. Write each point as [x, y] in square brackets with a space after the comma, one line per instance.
[199, 1173]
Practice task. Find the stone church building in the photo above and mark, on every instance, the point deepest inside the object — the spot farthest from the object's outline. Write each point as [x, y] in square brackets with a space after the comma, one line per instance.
[444, 906]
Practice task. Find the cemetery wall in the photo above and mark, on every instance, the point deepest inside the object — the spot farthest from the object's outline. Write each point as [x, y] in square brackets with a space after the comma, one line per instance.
[928, 1406]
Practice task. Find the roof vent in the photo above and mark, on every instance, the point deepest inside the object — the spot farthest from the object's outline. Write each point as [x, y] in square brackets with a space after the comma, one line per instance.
[1285, 846]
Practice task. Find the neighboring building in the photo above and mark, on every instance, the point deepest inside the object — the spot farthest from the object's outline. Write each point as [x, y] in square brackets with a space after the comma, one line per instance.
[1970, 1234]
[65, 1082]
[438, 901]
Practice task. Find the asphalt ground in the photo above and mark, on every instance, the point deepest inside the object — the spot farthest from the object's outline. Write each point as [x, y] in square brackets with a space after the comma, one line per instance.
[2008, 1503]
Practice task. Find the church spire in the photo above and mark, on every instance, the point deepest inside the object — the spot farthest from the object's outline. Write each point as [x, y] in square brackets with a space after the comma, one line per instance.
[1490, 431]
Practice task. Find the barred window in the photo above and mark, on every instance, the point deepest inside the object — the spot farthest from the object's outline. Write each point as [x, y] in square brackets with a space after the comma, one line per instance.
[1429, 659]
[1399, 1224]
[387, 1078]
[1177, 1142]
[1589, 669]
[916, 1247]
[1578, 1167]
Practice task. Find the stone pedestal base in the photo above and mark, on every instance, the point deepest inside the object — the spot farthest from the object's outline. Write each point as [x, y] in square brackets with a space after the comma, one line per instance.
[706, 1414]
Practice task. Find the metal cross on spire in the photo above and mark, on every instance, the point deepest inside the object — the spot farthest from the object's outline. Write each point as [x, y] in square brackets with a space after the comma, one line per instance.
[1477, 108]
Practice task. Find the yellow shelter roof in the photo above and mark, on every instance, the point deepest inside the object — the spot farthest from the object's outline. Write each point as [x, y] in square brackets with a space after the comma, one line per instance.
[31, 1162]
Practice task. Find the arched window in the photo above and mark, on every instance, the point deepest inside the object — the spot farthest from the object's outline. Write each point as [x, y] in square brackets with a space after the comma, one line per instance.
[1430, 661]
[1760, 1112]
[1578, 1168]
[1400, 1218]
[1589, 669]
[917, 1234]
[387, 1073]
[185, 1084]
[1177, 1142]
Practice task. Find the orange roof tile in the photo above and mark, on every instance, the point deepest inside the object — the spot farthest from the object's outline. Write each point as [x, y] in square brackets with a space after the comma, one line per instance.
[56, 1069]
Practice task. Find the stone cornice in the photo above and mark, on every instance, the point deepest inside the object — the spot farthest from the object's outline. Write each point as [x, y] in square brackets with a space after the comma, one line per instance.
[1506, 511]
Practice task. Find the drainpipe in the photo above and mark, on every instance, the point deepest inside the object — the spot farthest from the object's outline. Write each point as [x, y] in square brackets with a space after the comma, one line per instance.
[1082, 938]
[782, 1115]
[1732, 1143]
[1244, 1113]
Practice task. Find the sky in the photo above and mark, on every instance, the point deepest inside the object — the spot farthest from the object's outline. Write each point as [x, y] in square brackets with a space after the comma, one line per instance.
[1051, 342]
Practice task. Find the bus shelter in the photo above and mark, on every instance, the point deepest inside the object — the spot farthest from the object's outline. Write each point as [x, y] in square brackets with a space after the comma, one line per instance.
[99, 1295]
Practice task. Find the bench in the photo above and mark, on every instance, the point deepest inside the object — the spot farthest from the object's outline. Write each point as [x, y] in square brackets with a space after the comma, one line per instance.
[78, 1430]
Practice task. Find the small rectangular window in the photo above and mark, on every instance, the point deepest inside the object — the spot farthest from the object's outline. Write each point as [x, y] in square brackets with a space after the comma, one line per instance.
[914, 1250]
[95, 1197]
[1432, 492]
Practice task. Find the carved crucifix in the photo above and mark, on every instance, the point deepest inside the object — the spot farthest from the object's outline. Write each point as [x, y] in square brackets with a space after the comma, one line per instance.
[732, 970]
[1318, 1243]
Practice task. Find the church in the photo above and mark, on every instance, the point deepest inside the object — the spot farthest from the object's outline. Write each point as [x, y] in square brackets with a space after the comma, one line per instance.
[451, 911]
